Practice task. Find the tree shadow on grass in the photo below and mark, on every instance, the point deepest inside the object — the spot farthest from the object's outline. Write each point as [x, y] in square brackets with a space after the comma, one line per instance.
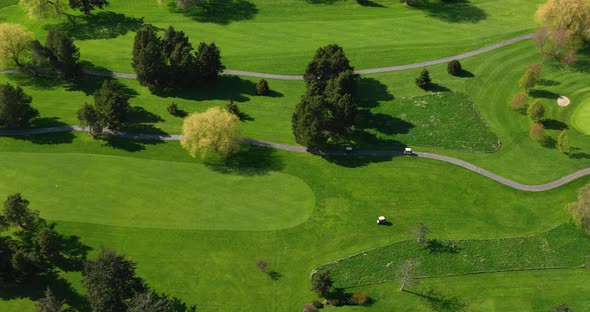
[438, 246]
[371, 91]
[226, 87]
[221, 12]
[369, 3]
[465, 74]
[101, 25]
[458, 11]
[435, 87]
[34, 289]
[274, 275]
[544, 94]
[382, 123]
[548, 82]
[129, 145]
[251, 160]
[554, 124]
[439, 302]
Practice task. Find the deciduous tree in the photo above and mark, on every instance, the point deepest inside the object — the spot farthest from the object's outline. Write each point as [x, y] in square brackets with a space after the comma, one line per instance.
[406, 274]
[581, 209]
[49, 303]
[150, 301]
[571, 15]
[454, 67]
[14, 41]
[421, 231]
[536, 111]
[537, 132]
[519, 101]
[213, 132]
[563, 141]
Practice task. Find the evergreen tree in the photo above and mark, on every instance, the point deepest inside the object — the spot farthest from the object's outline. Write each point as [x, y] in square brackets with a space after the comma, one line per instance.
[454, 67]
[63, 54]
[17, 212]
[262, 87]
[110, 281]
[148, 59]
[309, 121]
[423, 81]
[328, 63]
[112, 104]
[209, 61]
[15, 107]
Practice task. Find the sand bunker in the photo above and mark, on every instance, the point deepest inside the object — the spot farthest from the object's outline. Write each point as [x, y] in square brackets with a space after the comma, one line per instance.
[563, 101]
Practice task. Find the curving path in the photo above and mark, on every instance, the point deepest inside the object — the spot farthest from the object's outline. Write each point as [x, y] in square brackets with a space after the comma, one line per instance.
[300, 77]
[301, 149]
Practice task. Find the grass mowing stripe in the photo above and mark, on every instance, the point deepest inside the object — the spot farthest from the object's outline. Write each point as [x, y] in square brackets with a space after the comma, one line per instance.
[563, 247]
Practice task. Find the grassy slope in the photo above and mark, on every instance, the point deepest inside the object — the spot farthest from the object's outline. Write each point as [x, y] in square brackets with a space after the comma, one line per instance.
[562, 247]
[508, 292]
[581, 118]
[195, 265]
[253, 35]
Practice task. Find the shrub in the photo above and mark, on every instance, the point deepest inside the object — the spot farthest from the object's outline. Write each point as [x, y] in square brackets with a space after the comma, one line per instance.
[317, 304]
[233, 108]
[537, 132]
[569, 58]
[262, 87]
[308, 307]
[454, 67]
[519, 101]
[172, 109]
[536, 111]
[423, 81]
[359, 298]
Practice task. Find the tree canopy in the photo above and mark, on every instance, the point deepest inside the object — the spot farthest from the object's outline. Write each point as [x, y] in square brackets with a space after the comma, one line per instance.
[328, 108]
[51, 8]
[169, 62]
[15, 107]
[213, 132]
[14, 40]
[110, 109]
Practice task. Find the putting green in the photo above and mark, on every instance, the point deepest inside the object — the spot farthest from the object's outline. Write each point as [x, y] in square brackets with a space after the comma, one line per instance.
[155, 194]
[581, 118]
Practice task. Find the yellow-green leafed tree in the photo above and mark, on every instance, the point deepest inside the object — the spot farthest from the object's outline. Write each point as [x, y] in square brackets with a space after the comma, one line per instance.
[14, 40]
[43, 8]
[213, 132]
[581, 210]
[571, 15]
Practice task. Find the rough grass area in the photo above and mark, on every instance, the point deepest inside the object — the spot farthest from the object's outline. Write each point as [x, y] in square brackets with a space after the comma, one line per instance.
[562, 247]
[446, 120]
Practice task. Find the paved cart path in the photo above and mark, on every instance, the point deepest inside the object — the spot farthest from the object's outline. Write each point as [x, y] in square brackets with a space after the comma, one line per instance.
[300, 77]
[301, 149]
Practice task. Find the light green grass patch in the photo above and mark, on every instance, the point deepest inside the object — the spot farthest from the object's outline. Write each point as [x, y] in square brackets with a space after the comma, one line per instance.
[155, 194]
[581, 118]
[562, 247]
[447, 120]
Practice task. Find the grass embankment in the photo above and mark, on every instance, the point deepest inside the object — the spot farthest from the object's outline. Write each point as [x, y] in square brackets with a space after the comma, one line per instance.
[446, 120]
[349, 194]
[563, 247]
[259, 35]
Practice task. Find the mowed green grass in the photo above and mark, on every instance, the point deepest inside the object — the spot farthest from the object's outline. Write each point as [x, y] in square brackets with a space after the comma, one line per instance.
[581, 118]
[508, 291]
[563, 247]
[156, 194]
[281, 37]
[217, 269]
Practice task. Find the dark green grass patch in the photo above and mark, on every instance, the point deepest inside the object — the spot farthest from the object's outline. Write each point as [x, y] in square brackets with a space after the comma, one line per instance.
[446, 120]
[562, 247]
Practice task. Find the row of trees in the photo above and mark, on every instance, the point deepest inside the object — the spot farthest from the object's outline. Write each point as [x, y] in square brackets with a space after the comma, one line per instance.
[30, 247]
[59, 51]
[327, 110]
[169, 62]
[535, 110]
